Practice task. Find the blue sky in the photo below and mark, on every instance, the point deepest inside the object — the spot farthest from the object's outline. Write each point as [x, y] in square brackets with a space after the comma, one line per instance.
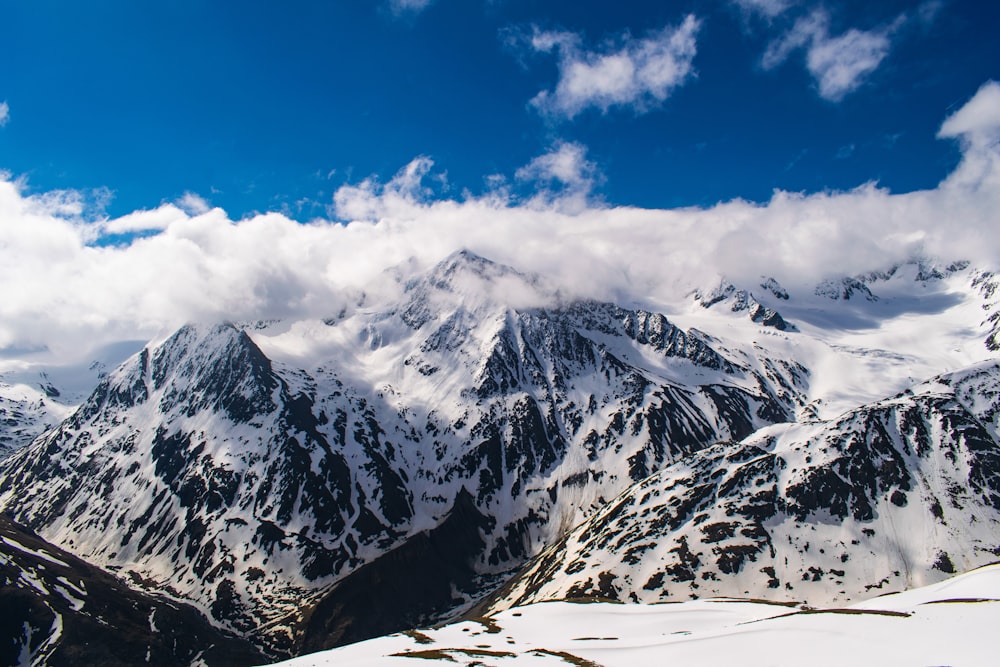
[205, 161]
[263, 106]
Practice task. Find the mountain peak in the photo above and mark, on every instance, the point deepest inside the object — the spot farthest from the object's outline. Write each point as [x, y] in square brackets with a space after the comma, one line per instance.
[465, 269]
[467, 281]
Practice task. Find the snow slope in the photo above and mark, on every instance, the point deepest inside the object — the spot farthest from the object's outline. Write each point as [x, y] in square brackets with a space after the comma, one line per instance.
[949, 623]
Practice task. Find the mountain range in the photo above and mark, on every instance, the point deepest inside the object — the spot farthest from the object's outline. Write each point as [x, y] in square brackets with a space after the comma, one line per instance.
[466, 437]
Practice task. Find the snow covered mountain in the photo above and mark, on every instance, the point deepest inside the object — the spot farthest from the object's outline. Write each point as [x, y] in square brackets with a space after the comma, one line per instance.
[248, 485]
[889, 496]
[268, 472]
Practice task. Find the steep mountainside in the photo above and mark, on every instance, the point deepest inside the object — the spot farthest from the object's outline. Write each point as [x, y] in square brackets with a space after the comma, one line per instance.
[891, 495]
[57, 610]
[249, 483]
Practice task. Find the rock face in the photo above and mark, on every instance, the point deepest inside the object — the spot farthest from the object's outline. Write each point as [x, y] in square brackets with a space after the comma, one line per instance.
[892, 495]
[427, 577]
[57, 610]
[989, 285]
[251, 487]
[740, 300]
[743, 301]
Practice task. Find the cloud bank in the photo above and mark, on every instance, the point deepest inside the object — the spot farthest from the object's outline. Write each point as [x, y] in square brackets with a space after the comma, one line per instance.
[72, 280]
[632, 73]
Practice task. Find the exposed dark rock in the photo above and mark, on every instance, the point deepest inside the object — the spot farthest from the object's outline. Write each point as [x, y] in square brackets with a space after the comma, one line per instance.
[102, 621]
[410, 586]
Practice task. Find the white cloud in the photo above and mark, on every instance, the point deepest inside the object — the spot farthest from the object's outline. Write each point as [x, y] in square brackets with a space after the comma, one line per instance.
[636, 73]
[978, 120]
[209, 266]
[159, 219]
[4, 113]
[977, 126]
[566, 178]
[839, 64]
[193, 204]
[768, 9]
[371, 200]
[143, 221]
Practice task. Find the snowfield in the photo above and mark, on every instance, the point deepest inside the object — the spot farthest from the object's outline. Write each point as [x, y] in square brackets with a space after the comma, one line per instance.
[949, 623]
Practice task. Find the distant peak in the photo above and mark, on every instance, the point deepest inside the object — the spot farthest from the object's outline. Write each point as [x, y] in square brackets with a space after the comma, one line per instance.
[741, 300]
[466, 255]
[467, 262]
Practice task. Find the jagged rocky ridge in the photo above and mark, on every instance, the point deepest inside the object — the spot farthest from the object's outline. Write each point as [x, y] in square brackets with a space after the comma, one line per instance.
[250, 487]
[889, 496]
[741, 300]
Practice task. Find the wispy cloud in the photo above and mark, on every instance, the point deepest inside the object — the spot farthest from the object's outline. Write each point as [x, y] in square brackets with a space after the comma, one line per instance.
[4, 113]
[839, 64]
[768, 9]
[845, 152]
[928, 11]
[400, 7]
[209, 266]
[634, 73]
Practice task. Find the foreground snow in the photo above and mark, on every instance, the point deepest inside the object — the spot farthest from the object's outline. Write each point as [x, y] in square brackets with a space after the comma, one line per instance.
[949, 623]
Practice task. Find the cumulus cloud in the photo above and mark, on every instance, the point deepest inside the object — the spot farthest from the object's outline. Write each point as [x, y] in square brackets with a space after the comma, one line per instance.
[4, 113]
[636, 73]
[72, 291]
[978, 121]
[565, 176]
[193, 204]
[372, 200]
[839, 64]
[977, 126]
